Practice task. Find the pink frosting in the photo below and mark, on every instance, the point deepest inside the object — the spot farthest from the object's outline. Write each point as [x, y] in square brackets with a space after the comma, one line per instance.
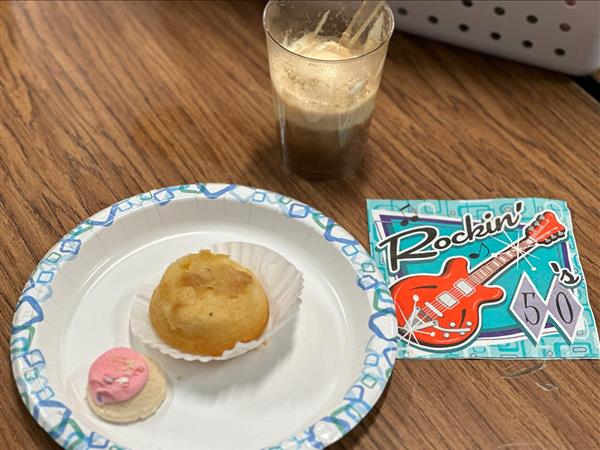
[117, 375]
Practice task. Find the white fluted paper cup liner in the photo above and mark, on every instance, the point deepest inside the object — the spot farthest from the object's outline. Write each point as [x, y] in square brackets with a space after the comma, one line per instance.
[280, 279]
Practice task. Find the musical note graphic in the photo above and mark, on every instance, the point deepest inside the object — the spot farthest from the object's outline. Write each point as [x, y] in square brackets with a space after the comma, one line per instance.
[412, 218]
[477, 254]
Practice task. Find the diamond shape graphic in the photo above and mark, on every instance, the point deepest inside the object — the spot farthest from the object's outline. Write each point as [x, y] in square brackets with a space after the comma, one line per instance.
[529, 308]
[564, 308]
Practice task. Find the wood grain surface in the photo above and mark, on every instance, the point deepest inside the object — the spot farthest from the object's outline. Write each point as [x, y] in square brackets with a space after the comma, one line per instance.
[101, 101]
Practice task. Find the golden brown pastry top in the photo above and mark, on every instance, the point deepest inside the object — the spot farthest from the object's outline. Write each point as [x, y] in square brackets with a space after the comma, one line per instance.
[206, 302]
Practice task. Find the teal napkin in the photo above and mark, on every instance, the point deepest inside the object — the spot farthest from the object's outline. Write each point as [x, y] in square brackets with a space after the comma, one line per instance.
[496, 278]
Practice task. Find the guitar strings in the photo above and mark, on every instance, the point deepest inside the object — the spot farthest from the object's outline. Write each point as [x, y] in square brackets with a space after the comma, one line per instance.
[521, 247]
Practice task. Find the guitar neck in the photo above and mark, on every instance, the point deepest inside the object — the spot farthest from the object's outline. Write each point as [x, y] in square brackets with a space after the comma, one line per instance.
[494, 266]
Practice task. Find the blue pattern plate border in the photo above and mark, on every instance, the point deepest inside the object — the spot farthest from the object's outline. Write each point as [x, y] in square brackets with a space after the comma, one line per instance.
[28, 360]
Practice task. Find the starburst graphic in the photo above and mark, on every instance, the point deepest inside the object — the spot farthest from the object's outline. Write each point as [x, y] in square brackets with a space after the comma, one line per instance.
[521, 254]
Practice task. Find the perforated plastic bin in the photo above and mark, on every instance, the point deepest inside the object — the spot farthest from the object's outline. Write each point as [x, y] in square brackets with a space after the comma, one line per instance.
[555, 34]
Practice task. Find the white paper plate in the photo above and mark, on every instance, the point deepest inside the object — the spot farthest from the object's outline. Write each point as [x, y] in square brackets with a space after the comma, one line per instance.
[313, 382]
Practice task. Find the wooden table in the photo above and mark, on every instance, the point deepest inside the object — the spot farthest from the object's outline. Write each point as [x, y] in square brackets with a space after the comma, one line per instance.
[101, 101]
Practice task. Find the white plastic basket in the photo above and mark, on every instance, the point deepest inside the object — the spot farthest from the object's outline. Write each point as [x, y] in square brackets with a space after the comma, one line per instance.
[555, 34]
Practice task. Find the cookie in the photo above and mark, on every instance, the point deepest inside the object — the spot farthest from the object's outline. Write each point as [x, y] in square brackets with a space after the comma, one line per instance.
[125, 386]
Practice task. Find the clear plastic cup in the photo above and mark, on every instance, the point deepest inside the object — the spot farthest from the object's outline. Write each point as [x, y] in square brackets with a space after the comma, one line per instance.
[323, 106]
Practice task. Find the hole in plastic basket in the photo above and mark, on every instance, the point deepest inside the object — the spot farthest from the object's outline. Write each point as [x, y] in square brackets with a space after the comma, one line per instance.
[565, 27]
[495, 36]
[527, 44]
[499, 10]
[432, 19]
[402, 11]
[468, 3]
[463, 27]
[532, 19]
[559, 52]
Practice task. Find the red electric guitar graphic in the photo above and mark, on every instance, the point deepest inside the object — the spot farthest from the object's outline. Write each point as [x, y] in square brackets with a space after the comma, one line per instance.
[441, 311]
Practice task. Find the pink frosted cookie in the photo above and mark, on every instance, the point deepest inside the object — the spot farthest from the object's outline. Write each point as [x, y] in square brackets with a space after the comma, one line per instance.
[124, 386]
[117, 375]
